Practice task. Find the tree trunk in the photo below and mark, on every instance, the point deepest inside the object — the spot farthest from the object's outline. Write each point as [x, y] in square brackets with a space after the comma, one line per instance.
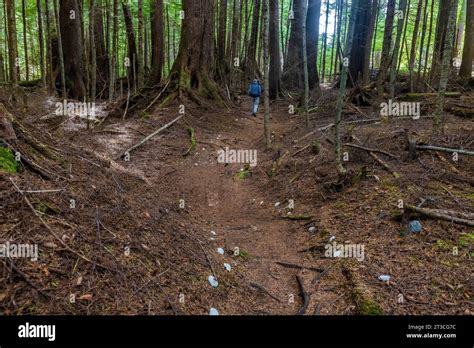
[221, 42]
[12, 41]
[250, 62]
[305, 66]
[342, 89]
[468, 51]
[441, 28]
[70, 43]
[25, 40]
[411, 64]
[102, 56]
[140, 60]
[396, 49]
[266, 70]
[386, 46]
[274, 46]
[132, 46]
[41, 42]
[157, 42]
[368, 44]
[325, 42]
[362, 25]
[113, 54]
[292, 76]
[312, 38]
[93, 67]
[192, 67]
[447, 62]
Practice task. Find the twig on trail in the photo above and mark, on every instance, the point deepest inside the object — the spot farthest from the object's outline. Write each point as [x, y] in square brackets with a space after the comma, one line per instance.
[442, 159]
[296, 266]
[27, 279]
[262, 289]
[452, 195]
[43, 191]
[87, 160]
[369, 149]
[134, 147]
[175, 311]
[67, 247]
[320, 275]
[440, 215]
[377, 158]
[157, 97]
[301, 150]
[444, 149]
[208, 260]
[304, 295]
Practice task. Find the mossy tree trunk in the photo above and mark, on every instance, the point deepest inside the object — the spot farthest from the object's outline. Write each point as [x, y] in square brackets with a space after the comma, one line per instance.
[191, 71]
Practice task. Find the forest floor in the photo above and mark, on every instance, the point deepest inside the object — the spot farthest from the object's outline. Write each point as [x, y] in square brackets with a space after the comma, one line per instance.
[129, 245]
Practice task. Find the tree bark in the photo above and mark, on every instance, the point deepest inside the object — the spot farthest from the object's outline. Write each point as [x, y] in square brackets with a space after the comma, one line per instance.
[386, 46]
[312, 38]
[468, 50]
[70, 41]
[132, 46]
[157, 42]
[12, 41]
[292, 76]
[274, 46]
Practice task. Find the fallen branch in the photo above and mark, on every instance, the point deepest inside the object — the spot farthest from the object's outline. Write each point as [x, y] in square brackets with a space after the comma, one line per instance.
[157, 97]
[304, 295]
[444, 149]
[134, 147]
[440, 215]
[377, 158]
[262, 289]
[294, 265]
[369, 149]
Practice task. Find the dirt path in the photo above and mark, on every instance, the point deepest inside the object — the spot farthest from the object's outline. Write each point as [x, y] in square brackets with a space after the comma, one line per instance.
[261, 246]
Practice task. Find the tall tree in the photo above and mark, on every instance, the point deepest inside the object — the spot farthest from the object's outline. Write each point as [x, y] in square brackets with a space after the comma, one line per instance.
[102, 56]
[468, 50]
[41, 42]
[312, 39]
[292, 76]
[359, 53]
[266, 70]
[192, 67]
[446, 63]
[438, 50]
[221, 41]
[396, 48]
[368, 44]
[12, 41]
[250, 60]
[132, 46]
[113, 53]
[70, 38]
[274, 46]
[25, 40]
[157, 42]
[386, 46]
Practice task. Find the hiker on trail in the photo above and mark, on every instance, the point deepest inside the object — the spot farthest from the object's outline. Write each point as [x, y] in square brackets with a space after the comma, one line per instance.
[255, 91]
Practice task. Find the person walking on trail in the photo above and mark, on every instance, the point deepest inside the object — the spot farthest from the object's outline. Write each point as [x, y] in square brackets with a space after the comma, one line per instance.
[255, 91]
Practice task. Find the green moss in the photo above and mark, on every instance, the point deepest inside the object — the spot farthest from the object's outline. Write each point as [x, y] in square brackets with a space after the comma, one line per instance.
[7, 161]
[466, 239]
[245, 173]
[444, 245]
[193, 142]
[324, 233]
[366, 306]
[316, 147]
[46, 208]
[145, 115]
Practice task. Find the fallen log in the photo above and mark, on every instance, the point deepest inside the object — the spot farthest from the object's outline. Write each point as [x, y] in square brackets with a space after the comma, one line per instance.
[440, 215]
[136, 146]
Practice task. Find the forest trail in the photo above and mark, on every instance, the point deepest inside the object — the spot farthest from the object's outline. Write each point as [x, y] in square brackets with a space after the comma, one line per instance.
[246, 221]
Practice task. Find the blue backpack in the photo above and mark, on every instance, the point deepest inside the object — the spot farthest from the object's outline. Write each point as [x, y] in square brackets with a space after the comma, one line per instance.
[255, 90]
